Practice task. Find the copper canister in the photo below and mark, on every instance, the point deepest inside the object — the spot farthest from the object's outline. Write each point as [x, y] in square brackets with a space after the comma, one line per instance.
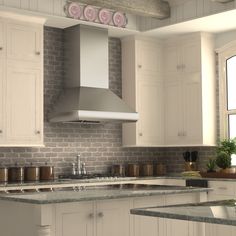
[46, 173]
[16, 174]
[118, 170]
[31, 173]
[133, 170]
[147, 170]
[160, 169]
[3, 174]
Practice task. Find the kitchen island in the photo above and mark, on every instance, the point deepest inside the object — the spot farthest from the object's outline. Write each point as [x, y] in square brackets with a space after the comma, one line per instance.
[94, 210]
[212, 214]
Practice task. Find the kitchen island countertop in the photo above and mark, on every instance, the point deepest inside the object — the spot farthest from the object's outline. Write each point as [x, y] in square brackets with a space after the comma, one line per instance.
[99, 193]
[218, 212]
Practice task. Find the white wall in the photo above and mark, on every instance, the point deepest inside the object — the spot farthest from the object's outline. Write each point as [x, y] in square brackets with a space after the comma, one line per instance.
[224, 38]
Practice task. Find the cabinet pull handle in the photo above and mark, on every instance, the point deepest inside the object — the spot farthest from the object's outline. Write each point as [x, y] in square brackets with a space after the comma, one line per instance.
[37, 53]
[100, 214]
[91, 215]
[222, 188]
[180, 134]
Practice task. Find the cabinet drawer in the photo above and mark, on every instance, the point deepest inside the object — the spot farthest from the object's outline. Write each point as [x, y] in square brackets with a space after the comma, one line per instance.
[175, 199]
[222, 187]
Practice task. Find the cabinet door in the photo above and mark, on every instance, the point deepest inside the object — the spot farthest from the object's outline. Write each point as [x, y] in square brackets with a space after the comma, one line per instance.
[173, 113]
[150, 108]
[191, 56]
[75, 219]
[2, 77]
[1, 40]
[113, 218]
[24, 42]
[24, 105]
[171, 60]
[144, 224]
[192, 100]
[219, 230]
[149, 58]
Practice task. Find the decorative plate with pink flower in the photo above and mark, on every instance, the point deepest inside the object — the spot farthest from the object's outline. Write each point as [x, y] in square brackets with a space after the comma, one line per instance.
[119, 19]
[74, 10]
[90, 13]
[105, 16]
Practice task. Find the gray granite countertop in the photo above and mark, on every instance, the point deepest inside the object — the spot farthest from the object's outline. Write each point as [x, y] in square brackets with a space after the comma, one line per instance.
[97, 193]
[66, 181]
[220, 212]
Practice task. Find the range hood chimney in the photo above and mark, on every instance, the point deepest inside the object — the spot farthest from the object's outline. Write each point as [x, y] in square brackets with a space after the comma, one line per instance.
[86, 96]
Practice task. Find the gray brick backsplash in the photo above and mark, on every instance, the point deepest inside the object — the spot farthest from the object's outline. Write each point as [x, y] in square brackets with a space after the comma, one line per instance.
[99, 145]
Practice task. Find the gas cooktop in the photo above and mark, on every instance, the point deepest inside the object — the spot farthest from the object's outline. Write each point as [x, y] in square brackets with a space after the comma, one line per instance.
[91, 176]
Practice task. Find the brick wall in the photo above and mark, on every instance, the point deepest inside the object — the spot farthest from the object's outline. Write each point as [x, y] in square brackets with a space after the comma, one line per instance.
[99, 145]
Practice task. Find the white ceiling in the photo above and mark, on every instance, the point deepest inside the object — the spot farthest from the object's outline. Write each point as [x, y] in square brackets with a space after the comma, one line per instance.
[218, 23]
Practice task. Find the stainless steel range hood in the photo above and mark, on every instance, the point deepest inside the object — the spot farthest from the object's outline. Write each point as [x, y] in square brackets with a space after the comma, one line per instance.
[86, 96]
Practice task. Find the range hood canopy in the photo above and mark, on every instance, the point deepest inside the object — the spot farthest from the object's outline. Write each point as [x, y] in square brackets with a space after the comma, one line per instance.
[86, 96]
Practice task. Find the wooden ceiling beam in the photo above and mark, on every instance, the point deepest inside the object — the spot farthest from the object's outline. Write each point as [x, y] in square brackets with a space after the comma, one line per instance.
[151, 8]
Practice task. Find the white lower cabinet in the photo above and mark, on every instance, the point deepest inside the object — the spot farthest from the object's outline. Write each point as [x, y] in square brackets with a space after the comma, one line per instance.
[219, 230]
[144, 225]
[113, 218]
[75, 219]
[222, 190]
[101, 218]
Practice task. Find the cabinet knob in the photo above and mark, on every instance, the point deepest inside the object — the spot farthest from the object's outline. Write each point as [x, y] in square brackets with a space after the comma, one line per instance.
[100, 214]
[37, 53]
[1, 48]
[139, 66]
[1, 132]
[37, 132]
[91, 215]
[140, 134]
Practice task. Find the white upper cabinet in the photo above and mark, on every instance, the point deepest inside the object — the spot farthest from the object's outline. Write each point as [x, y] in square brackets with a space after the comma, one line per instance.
[143, 90]
[189, 75]
[23, 104]
[24, 42]
[2, 44]
[21, 83]
[1, 99]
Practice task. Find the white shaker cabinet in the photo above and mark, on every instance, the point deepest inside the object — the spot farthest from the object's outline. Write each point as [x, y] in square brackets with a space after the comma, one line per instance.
[1, 98]
[189, 75]
[113, 218]
[100, 218]
[23, 105]
[142, 89]
[144, 224]
[24, 42]
[75, 219]
[21, 102]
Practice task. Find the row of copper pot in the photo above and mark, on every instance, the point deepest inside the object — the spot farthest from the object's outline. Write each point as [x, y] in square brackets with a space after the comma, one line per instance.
[136, 170]
[26, 174]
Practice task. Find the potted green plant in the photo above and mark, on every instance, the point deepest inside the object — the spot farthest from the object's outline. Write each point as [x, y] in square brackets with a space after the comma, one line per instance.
[211, 165]
[224, 151]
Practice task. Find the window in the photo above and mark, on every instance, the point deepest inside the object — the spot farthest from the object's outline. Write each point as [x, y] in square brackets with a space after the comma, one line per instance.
[227, 77]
